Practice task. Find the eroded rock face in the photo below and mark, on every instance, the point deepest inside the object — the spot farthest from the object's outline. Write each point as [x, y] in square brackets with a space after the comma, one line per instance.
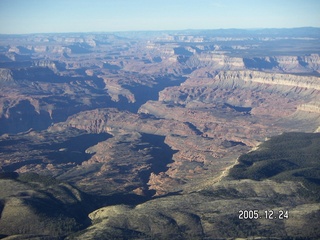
[119, 167]
[278, 80]
[215, 209]
[6, 76]
[97, 83]
[154, 115]
[216, 61]
[108, 119]
[276, 95]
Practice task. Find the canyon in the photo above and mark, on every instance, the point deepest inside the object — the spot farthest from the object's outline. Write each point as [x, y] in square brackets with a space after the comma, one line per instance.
[137, 122]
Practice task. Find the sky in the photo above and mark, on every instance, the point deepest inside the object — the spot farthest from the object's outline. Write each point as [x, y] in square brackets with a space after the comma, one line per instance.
[51, 16]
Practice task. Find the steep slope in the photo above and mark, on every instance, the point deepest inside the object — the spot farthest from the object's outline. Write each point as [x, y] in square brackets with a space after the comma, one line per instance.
[139, 116]
[265, 97]
[287, 207]
[290, 156]
[40, 206]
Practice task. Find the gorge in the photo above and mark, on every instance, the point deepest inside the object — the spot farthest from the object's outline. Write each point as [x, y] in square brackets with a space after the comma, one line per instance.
[151, 135]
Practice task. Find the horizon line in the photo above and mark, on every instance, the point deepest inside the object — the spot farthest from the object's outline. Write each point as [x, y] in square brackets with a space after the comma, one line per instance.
[177, 30]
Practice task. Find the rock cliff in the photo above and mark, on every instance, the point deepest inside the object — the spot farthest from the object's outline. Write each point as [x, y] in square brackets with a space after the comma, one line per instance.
[6, 76]
[133, 116]
[271, 79]
[107, 119]
[214, 209]
[216, 61]
[311, 107]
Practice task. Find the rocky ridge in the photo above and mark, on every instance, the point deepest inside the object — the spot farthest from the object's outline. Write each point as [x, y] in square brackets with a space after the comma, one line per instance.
[41, 207]
[138, 117]
[271, 79]
[213, 209]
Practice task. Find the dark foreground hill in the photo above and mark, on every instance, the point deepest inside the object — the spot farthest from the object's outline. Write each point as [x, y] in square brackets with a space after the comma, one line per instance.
[40, 207]
[288, 157]
[270, 193]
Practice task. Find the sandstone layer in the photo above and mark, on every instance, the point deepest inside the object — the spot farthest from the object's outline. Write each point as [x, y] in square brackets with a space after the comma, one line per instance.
[163, 117]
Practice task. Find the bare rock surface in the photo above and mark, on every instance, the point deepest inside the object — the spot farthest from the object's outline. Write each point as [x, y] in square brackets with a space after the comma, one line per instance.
[164, 117]
[215, 209]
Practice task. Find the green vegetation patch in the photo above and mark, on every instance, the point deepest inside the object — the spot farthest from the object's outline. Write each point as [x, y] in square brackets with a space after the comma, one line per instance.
[36, 204]
[288, 157]
[31, 177]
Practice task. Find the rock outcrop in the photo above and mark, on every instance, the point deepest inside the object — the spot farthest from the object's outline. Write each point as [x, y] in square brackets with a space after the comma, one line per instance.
[311, 107]
[134, 116]
[221, 209]
[6, 76]
[216, 61]
[106, 120]
[271, 79]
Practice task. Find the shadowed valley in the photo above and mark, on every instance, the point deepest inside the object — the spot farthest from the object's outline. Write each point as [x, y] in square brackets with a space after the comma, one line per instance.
[163, 135]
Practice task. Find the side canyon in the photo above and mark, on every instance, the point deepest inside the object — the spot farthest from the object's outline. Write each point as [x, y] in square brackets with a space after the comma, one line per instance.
[133, 121]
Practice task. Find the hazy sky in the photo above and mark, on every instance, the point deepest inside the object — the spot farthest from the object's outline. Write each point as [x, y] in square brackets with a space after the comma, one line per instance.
[38, 16]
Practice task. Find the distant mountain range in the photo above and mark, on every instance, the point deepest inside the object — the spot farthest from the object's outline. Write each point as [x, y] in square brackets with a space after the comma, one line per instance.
[191, 134]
